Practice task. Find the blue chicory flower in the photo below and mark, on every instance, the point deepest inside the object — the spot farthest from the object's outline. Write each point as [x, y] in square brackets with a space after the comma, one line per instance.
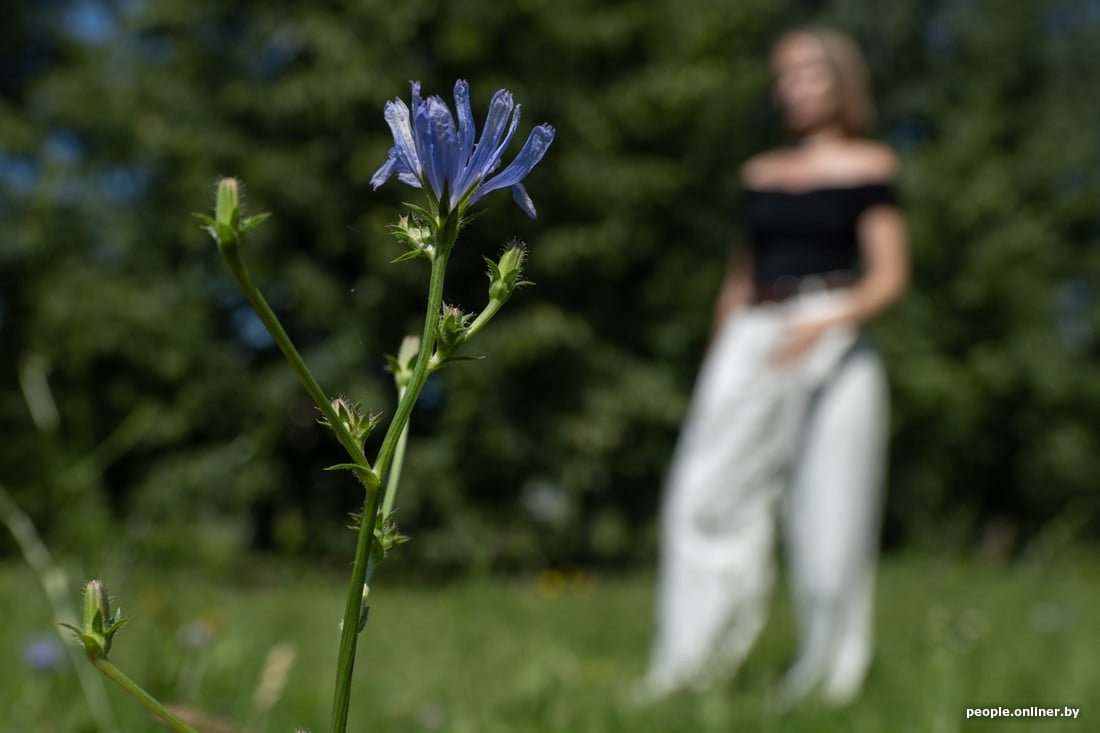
[43, 653]
[431, 151]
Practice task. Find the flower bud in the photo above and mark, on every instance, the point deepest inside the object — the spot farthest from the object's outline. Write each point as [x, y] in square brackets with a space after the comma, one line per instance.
[451, 330]
[402, 364]
[417, 238]
[226, 226]
[97, 604]
[357, 422]
[410, 347]
[99, 626]
[386, 537]
[504, 275]
[227, 204]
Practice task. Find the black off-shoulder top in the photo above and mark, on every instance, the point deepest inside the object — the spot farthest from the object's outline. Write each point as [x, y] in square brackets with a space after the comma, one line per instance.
[811, 232]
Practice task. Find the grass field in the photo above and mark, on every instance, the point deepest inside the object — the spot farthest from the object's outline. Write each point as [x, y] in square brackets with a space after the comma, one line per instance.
[558, 652]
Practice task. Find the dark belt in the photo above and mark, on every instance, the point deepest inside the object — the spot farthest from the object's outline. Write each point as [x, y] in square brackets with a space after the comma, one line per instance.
[788, 286]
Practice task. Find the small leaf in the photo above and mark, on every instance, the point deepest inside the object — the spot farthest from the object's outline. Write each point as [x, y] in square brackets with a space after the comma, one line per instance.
[494, 269]
[254, 221]
[71, 628]
[448, 359]
[344, 467]
[426, 216]
[412, 254]
[118, 624]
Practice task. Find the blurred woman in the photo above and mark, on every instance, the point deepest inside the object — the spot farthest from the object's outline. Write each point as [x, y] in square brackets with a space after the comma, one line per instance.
[789, 413]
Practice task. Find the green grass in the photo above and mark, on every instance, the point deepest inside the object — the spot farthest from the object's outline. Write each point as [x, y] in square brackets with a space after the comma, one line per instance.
[559, 653]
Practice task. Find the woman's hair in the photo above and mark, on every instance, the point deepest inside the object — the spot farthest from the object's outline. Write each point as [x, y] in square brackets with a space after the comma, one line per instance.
[857, 106]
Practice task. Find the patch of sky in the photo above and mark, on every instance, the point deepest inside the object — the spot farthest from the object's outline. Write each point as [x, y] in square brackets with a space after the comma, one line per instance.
[939, 36]
[249, 329]
[19, 174]
[131, 8]
[908, 134]
[63, 147]
[1071, 185]
[277, 55]
[1071, 314]
[90, 22]
[1064, 18]
[124, 183]
[154, 49]
[431, 397]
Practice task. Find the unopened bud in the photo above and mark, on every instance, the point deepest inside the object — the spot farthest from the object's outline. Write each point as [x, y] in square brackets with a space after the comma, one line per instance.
[226, 226]
[97, 604]
[415, 236]
[410, 347]
[451, 331]
[99, 626]
[504, 275]
[402, 364]
[227, 203]
[357, 422]
[386, 537]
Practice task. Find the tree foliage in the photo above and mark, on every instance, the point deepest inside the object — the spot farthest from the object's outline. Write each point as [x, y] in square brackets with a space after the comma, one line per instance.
[160, 407]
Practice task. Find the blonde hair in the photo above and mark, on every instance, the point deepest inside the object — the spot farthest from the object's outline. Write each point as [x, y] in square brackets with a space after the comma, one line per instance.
[857, 106]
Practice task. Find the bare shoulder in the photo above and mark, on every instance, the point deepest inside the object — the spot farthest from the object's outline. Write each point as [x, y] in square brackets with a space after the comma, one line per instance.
[765, 169]
[850, 162]
[868, 160]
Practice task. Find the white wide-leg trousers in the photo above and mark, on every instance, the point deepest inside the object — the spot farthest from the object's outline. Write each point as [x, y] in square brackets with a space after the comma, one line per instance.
[806, 442]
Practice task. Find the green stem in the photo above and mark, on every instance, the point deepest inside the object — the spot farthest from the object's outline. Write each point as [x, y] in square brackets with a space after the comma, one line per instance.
[353, 609]
[398, 463]
[115, 674]
[275, 328]
[483, 318]
[57, 591]
[420, 368]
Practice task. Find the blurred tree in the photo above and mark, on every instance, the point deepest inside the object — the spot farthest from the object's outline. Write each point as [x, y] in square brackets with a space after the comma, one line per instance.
[173, 413]
[994, 355]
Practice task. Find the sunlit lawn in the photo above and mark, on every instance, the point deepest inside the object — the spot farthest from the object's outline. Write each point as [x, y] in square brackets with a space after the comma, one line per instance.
[557, 652]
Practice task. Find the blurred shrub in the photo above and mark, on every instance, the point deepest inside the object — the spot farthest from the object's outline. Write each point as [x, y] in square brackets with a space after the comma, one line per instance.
[174, 413]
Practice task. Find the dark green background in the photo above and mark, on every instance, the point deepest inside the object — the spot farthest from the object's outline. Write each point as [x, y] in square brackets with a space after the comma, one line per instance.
[180, 433]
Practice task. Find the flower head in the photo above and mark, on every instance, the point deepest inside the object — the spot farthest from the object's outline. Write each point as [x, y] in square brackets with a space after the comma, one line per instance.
[432, 152]
[43, 653]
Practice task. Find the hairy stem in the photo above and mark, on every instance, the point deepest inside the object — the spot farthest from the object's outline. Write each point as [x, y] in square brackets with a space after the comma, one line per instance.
[483, 318]
[132, 688]
[324, 403]
[398, 463]
[353, 609]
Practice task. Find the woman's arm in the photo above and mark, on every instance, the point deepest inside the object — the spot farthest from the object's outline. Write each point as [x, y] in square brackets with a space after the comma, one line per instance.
[736, 292]
[885, 247]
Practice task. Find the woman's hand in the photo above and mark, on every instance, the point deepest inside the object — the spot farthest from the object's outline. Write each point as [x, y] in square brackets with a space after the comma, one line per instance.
[799, 338]
[885, 247]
